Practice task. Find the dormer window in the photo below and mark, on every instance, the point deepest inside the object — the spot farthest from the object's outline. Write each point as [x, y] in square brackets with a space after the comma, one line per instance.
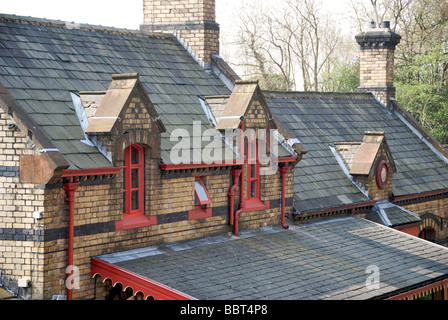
[133, 184]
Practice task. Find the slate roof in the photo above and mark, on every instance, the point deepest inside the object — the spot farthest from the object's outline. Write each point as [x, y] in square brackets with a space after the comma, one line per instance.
[319, 120]
[320, 259]
[392, 215]
[42, 61]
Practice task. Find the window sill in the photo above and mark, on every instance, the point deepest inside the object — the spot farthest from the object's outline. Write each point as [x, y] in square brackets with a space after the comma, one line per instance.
[199, 213]
[254, 205]
[135, 222]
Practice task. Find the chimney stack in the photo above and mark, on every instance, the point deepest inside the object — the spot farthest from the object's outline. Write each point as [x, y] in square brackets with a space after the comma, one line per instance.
[193, 22]
[377, 61]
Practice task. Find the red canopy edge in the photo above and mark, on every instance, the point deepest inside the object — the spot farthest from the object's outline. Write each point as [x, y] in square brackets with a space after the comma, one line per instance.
[136, 282]
[422, 291]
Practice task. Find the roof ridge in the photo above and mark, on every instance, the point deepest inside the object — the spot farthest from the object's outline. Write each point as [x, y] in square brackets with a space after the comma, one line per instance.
[270, 94]
[4, 17]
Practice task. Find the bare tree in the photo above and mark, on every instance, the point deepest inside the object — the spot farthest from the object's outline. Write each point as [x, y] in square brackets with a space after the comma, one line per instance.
[295, 43]
[250, 43]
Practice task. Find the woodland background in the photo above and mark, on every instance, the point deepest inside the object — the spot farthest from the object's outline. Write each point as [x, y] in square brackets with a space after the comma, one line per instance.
[302, 45]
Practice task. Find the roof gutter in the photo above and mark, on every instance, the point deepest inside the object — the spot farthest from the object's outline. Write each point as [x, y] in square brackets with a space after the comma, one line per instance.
[90, 172]
[202, 165]
[351, 206]
[418, 196]
[187, 166]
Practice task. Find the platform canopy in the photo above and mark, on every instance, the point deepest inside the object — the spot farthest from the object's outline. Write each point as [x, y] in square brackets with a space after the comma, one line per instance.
[335, 258]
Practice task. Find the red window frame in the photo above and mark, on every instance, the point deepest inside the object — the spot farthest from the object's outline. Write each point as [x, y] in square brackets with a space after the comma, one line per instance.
[253, 177]
[134, 181]
[200, 202]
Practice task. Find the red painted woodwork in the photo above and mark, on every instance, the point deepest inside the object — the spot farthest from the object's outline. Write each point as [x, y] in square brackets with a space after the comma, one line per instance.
[235, 174]
[199, 213]
[70, 188]
[134, 182]
[253, 172]
[412, 230]
[128, 279]
[383, 168]
[200, 201]
[135, 222]
[440, 285]
[202, 165]
[283, 173]
[90, 172]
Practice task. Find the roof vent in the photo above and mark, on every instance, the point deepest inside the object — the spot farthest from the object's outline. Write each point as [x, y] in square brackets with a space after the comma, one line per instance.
[371, 25]
[72, 25]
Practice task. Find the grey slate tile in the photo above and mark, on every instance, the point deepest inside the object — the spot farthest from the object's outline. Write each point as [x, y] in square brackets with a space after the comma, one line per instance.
[57, 60]
[296, 266]
[346, 119]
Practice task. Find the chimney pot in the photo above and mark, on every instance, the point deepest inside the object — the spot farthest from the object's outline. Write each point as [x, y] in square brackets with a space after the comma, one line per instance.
[385, 24]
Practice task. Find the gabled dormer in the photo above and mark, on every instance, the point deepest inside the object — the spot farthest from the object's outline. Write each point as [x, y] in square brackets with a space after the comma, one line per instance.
[267, 149]
[245, 108]
[122, 116]
[370, 164]
[125, 127]
[245, 103]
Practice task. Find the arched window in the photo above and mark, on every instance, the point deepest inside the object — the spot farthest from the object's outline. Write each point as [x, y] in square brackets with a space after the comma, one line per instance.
[133, 184]
[428, 233]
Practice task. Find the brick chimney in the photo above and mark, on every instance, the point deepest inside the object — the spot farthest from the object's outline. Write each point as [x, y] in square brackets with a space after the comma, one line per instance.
[377, 61]
[193, 22]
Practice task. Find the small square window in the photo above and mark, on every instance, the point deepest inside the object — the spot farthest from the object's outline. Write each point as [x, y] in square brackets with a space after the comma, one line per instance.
[201, 193]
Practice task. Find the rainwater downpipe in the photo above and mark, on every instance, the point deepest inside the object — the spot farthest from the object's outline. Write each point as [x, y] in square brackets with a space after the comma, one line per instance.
[235, 174]
[237, 213]
[283, 173]
[70, 187]
[242, 199]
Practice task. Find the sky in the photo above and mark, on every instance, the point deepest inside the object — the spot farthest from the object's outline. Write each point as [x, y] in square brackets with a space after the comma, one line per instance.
[117, 13]
[111, 13]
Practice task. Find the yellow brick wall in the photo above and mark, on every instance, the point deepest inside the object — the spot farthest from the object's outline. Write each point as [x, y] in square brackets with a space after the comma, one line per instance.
[438, 207]
[270, 184]
[19, 231]
[167, 196]
[99, 204]
[187, 17]
[376, 67]
[377, 73]
[178, 10]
